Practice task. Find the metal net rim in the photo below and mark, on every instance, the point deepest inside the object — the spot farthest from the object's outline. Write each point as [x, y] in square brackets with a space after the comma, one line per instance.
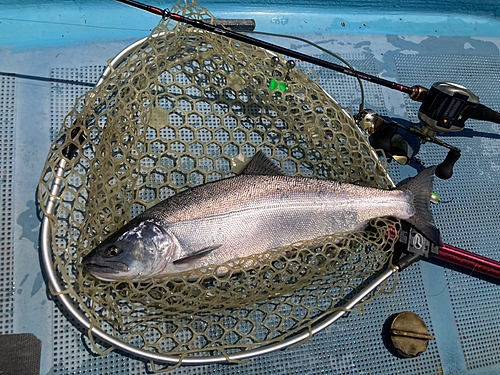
[75, 312]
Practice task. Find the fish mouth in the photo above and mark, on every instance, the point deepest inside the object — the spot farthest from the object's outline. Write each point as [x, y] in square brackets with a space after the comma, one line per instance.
[112, 267]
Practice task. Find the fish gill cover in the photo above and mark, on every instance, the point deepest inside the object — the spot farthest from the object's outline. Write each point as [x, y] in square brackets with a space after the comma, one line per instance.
[183, 109]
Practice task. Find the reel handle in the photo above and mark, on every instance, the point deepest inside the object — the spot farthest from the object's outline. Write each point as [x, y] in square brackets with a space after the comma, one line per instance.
[445, 170]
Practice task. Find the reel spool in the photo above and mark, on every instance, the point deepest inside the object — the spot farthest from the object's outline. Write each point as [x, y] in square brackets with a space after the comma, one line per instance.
[446, 108]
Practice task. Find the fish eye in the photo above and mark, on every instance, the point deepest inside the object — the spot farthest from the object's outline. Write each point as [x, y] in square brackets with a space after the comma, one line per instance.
[112, 251]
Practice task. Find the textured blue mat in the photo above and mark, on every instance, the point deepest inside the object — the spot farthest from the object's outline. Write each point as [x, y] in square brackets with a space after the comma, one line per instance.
[460, 311]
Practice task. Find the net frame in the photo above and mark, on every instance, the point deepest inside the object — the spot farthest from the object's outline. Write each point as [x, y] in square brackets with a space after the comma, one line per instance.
[366, 293]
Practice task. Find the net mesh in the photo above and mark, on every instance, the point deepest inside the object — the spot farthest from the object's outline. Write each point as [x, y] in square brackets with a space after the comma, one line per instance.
[184, 108]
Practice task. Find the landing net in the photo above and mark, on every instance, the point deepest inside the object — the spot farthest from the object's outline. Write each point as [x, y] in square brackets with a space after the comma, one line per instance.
[184, 108]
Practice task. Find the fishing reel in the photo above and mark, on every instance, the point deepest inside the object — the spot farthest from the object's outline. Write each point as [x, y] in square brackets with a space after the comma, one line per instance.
[445, 108]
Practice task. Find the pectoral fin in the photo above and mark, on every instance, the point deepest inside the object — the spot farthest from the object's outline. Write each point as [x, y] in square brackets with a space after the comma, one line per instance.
[193, 258]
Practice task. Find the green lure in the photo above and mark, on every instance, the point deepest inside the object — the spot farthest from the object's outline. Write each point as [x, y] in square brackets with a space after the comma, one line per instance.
[277, 85]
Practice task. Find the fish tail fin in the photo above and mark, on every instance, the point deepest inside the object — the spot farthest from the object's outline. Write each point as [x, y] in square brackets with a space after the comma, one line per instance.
[421, 188]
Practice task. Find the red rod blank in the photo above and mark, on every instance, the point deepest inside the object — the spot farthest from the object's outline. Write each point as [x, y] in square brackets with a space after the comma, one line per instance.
[474, 262]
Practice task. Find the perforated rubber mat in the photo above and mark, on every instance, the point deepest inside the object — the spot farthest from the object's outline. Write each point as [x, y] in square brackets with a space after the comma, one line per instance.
[7, 139]
[472, 219]
[354, 344]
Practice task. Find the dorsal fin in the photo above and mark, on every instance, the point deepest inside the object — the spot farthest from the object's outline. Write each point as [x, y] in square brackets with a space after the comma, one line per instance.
[262, 165]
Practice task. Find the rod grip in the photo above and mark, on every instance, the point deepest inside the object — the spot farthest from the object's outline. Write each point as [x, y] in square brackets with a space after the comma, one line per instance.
[481, 112]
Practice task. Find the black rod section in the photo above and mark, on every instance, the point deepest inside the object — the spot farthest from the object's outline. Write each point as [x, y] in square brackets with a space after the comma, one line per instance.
[47, 79]
[269, 46]
[289, 52]
[147, 8]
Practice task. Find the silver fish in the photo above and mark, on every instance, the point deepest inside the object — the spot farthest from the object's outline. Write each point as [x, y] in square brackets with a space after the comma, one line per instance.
[259, 210]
